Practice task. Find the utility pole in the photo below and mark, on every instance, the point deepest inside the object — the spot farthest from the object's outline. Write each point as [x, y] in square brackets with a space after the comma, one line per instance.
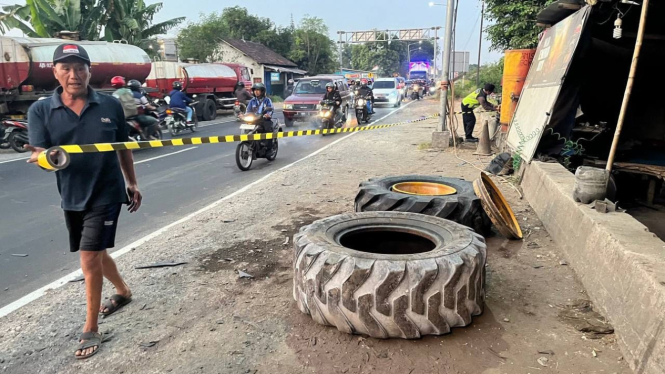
[341, 51]
[450, 13]
[436, 44]
[480, 40]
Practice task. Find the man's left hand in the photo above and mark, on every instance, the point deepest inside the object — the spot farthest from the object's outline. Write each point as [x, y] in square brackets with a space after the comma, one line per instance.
[266, 116]
[135, 198]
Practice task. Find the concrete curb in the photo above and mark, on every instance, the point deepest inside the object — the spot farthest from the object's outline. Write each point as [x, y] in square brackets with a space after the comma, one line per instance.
[620, 263]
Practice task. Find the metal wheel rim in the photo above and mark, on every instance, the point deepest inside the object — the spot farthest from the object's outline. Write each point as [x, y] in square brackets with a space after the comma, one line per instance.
[245, 155]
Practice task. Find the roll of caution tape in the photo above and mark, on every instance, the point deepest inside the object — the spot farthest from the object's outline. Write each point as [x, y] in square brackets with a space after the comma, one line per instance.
[61, 159]
[54, 158]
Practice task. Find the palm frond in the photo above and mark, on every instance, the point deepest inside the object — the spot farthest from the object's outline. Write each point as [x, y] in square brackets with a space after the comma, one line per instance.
[162, 27]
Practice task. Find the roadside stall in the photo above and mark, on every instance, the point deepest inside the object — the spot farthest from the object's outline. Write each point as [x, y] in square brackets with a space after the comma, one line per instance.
[593, 94]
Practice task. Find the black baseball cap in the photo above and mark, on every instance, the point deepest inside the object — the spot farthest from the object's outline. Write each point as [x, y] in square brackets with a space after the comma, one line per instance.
[65, 51]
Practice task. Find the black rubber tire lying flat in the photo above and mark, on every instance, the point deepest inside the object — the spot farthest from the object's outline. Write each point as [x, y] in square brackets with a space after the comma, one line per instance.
[463, 207]
[390, 295]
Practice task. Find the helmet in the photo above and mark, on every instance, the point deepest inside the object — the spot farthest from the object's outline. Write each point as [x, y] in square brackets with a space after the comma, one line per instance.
[177, 86]
[363, 82]
[291, 81]
[259, 86]
[330, 85]
[134, 85]
[118, 82]
[241, 84]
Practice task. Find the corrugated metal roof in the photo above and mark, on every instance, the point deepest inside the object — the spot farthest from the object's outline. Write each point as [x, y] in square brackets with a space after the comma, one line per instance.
[260, 53]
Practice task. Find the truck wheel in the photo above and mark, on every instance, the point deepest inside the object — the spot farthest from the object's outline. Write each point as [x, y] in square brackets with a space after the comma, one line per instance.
[389, 274]
[449, 198]
[288, 122]
[209, 110]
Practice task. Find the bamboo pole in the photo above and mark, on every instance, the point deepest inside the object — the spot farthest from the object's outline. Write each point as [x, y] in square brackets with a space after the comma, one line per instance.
[629, 85]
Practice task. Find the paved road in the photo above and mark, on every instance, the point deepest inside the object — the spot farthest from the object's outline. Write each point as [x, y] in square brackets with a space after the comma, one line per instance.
[174, 182]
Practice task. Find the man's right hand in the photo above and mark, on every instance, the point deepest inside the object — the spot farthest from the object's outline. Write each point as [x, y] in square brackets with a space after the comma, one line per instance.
[36, 151]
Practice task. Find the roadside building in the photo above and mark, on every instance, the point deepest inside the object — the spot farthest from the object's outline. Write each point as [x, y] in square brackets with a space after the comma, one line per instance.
[266, 66]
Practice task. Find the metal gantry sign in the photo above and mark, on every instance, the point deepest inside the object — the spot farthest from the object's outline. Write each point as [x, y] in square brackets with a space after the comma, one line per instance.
[372, 36]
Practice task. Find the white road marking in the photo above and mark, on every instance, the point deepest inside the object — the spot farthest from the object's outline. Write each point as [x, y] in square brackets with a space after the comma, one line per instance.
[166, 155]
[25, 300]
[15, 159]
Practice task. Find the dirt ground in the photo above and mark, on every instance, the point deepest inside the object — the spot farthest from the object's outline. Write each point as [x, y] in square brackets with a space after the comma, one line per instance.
[202, 317]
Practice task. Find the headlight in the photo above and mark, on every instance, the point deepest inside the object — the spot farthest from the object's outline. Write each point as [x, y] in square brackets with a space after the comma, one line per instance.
[288, 106]
[249, 118]
[416, 87]
[361, 102]
[325, 114]
[318, 106]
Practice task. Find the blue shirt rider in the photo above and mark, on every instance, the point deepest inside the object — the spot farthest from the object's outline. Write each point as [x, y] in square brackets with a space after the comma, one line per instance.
[262, 105]
[180, 101]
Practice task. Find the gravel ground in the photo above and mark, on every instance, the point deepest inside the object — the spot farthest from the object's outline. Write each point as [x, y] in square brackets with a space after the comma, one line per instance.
[202, 318]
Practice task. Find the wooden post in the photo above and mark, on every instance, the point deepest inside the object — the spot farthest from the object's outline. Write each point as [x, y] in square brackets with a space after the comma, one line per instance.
[629, 85]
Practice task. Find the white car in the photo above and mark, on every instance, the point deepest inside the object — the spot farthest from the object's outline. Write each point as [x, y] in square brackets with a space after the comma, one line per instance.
[386, 91]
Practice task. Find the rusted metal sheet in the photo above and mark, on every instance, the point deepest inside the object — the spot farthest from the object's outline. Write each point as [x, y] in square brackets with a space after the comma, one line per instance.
[497, 208]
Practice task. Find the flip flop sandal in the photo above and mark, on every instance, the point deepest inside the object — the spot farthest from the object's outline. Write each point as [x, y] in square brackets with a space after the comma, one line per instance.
[111, 308]
[92, 339]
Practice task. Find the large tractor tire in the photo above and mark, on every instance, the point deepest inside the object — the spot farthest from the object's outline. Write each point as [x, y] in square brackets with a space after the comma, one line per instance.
[455, 201]
[389, 274]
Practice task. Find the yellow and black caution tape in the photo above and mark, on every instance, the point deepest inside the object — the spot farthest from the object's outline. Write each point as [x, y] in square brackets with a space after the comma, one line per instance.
[58, 158]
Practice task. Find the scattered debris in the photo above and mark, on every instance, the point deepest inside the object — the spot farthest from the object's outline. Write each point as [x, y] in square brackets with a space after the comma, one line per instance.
[242, 274]
[228, 220]
[77, 279]
[160, 265]
[563, 262]
[228, 259]
[506, 320]
[583, 318]
[220, 322]
[547, 352]
[149, 344]
[286, 241]
[543, 361]
[382, 355]
[593, 353]
[533, 245]
[19, 255]
[537, 266]
[313, 341]
[143, 307]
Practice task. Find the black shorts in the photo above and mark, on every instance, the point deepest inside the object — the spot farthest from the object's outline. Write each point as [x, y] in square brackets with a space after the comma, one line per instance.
[93, 229]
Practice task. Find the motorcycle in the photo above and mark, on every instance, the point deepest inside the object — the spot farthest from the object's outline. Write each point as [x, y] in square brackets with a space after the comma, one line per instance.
[15, 134]
[416, 92]
[160, 113]
[248, 151]
[176, 120]
[239, 109]
[329, 118]
[153, 132]
[362, 109]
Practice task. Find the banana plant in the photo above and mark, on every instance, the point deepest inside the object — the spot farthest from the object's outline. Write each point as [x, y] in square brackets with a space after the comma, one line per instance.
[44, 18]
[131, 20]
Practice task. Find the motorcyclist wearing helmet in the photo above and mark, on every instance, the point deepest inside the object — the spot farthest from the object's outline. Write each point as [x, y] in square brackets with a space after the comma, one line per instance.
[333, 94]
[129, 106]
[180, 101]
[242, 95]
[261, 105]
[142, 102]
[365, 90]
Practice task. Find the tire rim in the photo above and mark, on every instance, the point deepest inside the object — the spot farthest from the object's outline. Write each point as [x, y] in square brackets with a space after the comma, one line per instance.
[245, 155]
[423, 189]
[497, 208]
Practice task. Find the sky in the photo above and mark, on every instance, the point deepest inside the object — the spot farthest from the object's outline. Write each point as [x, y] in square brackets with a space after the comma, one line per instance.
[347, 15]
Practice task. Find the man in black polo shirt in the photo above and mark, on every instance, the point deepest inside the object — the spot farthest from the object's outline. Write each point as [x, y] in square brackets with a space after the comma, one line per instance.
[92, 187]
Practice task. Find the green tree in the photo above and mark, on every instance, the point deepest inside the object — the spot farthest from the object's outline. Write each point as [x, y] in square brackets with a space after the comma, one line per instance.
[131, 20]
[513, 23]
[45, 18]
[201, 40]
[312, 49]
